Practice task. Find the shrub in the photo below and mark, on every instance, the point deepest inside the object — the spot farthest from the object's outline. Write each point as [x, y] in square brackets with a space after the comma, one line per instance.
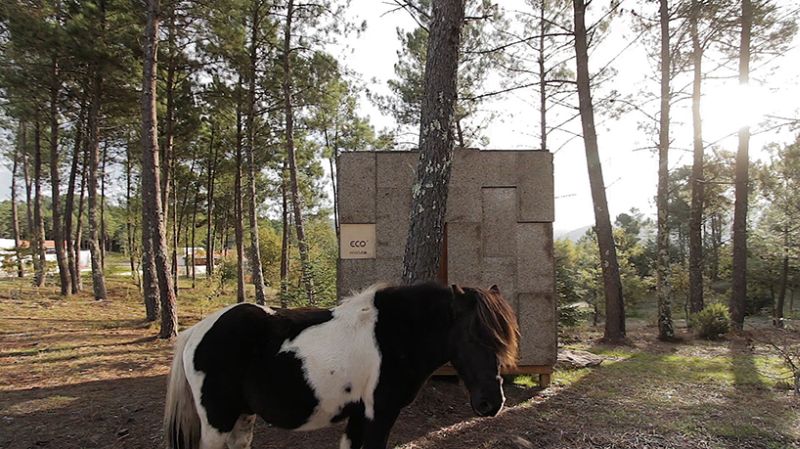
[570, 315]
[712, 322]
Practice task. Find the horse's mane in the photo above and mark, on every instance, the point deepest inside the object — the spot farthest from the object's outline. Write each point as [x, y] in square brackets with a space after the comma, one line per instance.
[495, 320]
[499, 322]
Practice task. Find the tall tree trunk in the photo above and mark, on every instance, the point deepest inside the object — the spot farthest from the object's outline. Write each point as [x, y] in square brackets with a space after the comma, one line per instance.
[778, 312]
[58, 232]
[98, 277]
[296, 197]
[696, 302]
[186, 267]
[739, 281]
[169, 125]
[615, 306]
[76, 243]
[238, 205]
[194, 228]
[212, 167]
[129, 232]
[284, 239]
[224, 236]
[40, 263]
[429, 200]
[169, 156]
[542, 78]
[103, 236]
[665, 328]
[150, 288]
[716, 231]
[72, 257]
[153, 226]
[182, 228]
[333, 164]
[255, 250]
[26, 176]
[175, 228]
[14, 215]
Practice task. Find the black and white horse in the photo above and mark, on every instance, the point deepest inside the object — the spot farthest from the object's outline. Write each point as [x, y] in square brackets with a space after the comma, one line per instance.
[362, 361]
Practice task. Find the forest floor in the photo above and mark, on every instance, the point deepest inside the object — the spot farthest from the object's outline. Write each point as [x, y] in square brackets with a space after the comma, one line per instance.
[83, 374]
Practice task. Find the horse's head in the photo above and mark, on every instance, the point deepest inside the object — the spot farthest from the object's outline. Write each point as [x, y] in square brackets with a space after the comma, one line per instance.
[483, 339]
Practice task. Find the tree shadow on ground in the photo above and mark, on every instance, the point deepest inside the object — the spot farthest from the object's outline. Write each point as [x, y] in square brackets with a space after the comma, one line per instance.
[654, 397]
[127, 413]
[27, 352]
[651, 399]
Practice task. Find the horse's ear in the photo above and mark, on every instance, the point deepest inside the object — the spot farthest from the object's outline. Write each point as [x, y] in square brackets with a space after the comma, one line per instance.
[494, 289]
[457, 290]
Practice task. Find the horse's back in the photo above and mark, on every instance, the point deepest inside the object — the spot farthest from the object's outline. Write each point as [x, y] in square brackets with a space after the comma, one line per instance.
[237, 368]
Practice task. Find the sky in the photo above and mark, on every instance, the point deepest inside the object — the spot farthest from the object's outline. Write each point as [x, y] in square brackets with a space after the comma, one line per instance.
[629, 170]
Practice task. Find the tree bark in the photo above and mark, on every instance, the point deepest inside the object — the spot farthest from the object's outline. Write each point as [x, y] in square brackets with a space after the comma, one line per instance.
[212, 167]
[615, 306]
[739, 281]
[255, 250]
[194, 228]
[73, 260]
[103, 235]
[429, 192]
[26, 175]
[98, 277]
[778, 312]
[58, 231]
[175, 227]
[150, 289]
[79, 224]
[542, 78]
[169, 125]
[284, 240]
[696, 302]
[238, 205]
[333, 163]
[153, 226]
[716, 243]
[40, 263]
[665, 327]
[129, 229]
[15, 215]
[297, 199]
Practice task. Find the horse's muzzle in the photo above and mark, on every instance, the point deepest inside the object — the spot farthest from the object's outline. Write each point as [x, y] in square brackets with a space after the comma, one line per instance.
[485, 407]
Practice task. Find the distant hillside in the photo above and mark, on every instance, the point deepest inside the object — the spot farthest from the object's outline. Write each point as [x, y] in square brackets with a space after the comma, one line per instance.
[573, 235]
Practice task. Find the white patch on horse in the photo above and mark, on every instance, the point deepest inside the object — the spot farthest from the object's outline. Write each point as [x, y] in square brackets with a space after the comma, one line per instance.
[195, 377]
[340, 358]
[344, 443]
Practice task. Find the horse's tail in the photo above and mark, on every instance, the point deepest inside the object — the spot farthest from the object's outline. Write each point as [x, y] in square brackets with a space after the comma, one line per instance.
[181, 422]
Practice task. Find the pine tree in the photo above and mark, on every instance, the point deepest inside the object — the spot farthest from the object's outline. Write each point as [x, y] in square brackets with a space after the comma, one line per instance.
[153, 226]
[665, 327]
[429, 191]
[739, 286]
[615, 306]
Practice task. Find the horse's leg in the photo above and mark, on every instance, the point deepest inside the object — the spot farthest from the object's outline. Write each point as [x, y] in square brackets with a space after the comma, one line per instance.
[376, 431]
[242, 434]
[211, 438]
[353, 436]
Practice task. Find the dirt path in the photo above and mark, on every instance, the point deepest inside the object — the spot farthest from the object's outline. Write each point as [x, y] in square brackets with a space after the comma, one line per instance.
[80, 374]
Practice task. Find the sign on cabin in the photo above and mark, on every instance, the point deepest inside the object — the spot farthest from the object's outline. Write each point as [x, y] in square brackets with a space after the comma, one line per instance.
[357, 241]
[499, 230]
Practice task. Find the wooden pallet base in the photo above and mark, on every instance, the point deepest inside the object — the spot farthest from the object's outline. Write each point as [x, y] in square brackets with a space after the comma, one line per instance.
[544, 372]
